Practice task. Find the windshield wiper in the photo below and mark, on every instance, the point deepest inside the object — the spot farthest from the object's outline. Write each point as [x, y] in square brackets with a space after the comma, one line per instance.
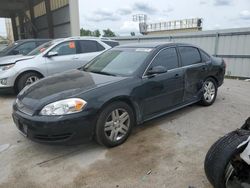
[105, 73]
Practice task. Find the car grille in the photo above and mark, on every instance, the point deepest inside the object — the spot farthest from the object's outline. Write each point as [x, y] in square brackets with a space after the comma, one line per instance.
[22, 108]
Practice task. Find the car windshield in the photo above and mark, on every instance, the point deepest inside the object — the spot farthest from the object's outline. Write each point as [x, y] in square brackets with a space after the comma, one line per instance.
[119, 61]
[9, 46]
[41, 48]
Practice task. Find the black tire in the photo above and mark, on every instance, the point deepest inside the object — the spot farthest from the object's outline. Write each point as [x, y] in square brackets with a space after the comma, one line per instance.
[203, 101]
[220, 155]
[100, 135]
[21, 82]
[246, 125]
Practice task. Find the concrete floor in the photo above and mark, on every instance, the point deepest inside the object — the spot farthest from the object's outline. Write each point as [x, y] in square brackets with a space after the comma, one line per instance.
[166, 152]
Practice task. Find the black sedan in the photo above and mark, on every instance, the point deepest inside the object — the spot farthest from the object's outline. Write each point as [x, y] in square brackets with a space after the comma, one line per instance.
[122, 87]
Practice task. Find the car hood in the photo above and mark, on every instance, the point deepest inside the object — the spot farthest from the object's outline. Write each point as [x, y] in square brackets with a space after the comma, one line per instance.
[64, 85]
[13, 59]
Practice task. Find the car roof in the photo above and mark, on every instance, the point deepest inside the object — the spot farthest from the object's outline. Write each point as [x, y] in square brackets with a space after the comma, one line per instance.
[150, 45]
[89, 38]
[27, 40]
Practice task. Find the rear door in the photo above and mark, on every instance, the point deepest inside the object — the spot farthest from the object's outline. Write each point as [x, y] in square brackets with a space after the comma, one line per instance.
[89, 49]
[65, 60]
[195, 70]
[163, 91]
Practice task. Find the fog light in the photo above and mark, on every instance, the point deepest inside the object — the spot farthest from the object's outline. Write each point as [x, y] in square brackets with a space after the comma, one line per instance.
[3, 81]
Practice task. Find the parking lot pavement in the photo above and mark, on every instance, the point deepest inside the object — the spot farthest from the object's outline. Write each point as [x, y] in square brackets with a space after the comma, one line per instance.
[166, 152]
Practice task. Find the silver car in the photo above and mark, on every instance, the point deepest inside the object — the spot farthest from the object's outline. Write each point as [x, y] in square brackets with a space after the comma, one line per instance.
[55, 56]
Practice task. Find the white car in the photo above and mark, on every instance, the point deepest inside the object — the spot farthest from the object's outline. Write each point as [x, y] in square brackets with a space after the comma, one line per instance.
[55, 56]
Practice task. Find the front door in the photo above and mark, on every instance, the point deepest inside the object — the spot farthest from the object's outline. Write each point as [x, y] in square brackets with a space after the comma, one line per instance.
[163, 91]
[66, 58]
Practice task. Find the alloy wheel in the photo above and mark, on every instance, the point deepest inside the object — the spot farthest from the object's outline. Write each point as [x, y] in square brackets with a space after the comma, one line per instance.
[209, 91]
[31, 80]
[117, 125]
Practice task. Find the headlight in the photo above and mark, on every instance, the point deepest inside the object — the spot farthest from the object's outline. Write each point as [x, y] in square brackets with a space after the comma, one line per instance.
[63, 107]
[6, 67]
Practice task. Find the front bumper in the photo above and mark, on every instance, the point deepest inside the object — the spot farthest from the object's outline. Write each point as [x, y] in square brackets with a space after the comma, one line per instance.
[7, 90]
[9, 76]
[71, 129]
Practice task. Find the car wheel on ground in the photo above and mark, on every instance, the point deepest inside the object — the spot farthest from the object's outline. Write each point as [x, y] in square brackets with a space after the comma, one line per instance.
[223, 166]
[27, 79]
[209, 92]
[114, 124]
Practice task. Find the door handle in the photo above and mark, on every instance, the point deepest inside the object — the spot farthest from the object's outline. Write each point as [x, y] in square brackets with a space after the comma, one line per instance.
[75, 58]
[176, 76]
[204, 69]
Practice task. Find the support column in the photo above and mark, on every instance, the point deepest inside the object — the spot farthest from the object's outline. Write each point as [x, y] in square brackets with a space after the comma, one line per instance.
[49, 19]
[74, 17]
[21, 25]
[31, 8]
[14, 27]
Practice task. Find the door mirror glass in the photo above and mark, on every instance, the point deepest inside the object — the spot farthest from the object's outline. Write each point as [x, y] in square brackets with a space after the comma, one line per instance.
[157, 70]
[52, 54]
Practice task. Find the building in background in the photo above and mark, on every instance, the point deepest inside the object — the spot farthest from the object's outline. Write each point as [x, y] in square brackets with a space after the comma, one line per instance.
[167, 27]
[176, 26]
[41, 18]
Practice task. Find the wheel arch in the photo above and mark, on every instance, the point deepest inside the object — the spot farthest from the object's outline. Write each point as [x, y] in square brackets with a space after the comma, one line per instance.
[127, 100]
[25, 72]
[214, 78]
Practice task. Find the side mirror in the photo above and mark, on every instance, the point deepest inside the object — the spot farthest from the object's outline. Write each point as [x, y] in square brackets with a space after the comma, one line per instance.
[157, 70]
[52, 54]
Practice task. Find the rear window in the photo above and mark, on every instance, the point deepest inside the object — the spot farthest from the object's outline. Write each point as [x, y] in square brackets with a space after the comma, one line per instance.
[88, 46]
[189, 55]
[111, 43]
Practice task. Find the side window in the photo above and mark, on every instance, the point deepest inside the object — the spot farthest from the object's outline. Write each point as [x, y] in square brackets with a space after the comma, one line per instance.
[88, 46]
[65, 48]
[25, 48]
[100, 47]
[111, 43]
[167, 58]
[39, 43]
[204, 56]
[189, 55]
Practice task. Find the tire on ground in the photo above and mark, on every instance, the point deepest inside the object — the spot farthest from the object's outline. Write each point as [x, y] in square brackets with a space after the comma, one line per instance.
[100, 136]
[220, 154]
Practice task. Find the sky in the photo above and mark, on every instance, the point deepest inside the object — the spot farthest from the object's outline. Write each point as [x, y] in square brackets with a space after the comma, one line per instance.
[117, 15]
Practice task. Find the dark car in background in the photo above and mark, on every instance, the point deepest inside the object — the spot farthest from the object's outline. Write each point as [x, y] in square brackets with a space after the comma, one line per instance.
[124, 86]
[22, 47]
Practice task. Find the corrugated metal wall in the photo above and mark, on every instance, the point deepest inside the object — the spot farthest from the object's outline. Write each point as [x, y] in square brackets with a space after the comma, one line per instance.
[231, 44]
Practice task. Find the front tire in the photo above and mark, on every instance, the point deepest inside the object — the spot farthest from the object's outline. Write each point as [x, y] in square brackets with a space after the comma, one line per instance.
[114, 124]
[209, 93]
[27, 79]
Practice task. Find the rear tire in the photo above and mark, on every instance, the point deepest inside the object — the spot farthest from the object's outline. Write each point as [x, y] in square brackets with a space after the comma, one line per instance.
[114, 124]
[209, 93]
[26, 79]
[220, 155]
